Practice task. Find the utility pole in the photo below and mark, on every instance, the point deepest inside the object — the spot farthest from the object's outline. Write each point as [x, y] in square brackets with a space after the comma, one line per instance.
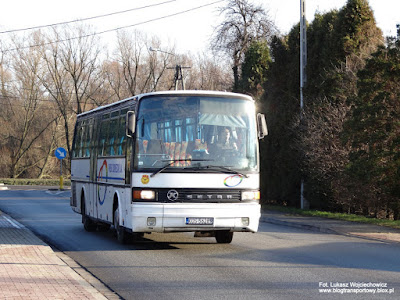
[179, 76]
[303, 75]
[303, 52]
[178, 70]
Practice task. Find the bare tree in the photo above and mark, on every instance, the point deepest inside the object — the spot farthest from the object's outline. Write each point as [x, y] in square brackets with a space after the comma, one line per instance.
[134, 68]
[72, 72]
[207, 74]
[130, 51]
[5, 111]
[244, 22]
[113, 80]
[159, 63]
[79, 58]
[26, 122]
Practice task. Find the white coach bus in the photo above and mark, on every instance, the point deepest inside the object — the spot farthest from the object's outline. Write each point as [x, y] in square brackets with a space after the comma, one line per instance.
[181, 161]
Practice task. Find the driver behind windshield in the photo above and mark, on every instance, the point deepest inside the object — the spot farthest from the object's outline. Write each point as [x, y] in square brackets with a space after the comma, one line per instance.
[225, 141]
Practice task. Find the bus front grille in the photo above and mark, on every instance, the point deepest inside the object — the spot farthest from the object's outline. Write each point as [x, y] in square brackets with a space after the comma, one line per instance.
[199, 195]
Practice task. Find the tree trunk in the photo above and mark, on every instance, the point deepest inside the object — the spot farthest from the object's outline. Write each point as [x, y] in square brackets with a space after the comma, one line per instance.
[236, 78]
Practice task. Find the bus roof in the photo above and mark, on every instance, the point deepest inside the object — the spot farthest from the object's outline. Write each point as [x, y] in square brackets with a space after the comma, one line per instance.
[172, 93]
[196, 93]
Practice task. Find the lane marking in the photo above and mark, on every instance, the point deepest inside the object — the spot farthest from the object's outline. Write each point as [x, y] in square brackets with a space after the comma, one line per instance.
[14, 223]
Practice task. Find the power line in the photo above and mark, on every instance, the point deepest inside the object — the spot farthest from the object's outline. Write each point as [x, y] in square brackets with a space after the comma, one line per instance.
[9, 87]
[21, 105]
[40, 101]
[86, 19]
[114, 29]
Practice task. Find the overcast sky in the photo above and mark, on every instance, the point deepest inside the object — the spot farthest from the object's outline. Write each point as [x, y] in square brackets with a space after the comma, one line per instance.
[189, 31]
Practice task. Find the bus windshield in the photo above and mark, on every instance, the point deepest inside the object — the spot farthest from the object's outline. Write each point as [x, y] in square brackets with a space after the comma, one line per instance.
[196, 132]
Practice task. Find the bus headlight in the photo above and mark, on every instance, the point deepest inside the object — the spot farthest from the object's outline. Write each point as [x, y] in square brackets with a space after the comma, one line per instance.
[144, 195]
[253, 195]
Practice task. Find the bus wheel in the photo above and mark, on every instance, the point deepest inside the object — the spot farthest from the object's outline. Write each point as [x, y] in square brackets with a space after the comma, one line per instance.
[121, 234]
[223, 236]
[88, 224]
[103, 227]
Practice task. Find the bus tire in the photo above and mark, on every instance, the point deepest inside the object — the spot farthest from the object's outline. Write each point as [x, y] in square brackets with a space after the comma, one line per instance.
[88, 224]
[103, 227]
[224, 236]
[121, 234]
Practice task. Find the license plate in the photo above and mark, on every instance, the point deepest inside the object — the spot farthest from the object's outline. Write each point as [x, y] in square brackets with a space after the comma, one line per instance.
[199, 221]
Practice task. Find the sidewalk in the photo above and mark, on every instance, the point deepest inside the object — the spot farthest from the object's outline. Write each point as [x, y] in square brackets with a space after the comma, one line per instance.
[374, 232]
[30, 269]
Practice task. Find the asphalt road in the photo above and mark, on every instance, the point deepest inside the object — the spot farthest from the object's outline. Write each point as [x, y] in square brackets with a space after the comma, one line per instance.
[278, 262]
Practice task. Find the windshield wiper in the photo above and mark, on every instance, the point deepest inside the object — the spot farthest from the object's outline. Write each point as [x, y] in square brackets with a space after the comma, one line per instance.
[223, 168]
[172, 161]
[163, 168]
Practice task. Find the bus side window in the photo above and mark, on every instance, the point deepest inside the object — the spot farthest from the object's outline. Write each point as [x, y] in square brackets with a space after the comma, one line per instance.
[78, 139]
[86, 145]
[82, 141]
[82, 136]
[121, 139]
[111, 144]
[103, 137]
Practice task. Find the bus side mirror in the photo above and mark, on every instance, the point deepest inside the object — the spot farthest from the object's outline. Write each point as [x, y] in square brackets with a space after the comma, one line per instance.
[130, 123]
[261, 126]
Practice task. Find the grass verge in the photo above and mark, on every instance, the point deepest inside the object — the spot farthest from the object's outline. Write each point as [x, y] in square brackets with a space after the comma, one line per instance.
[337, 216]
[25, 181]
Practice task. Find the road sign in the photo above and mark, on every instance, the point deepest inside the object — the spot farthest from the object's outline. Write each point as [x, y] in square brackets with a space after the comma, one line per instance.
[61, 153]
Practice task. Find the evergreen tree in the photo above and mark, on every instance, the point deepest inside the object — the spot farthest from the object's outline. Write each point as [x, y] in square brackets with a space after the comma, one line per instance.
[254, 68]
[339, 42]
[352, 36]
[374, 129]
[279, 169]
[320, 48]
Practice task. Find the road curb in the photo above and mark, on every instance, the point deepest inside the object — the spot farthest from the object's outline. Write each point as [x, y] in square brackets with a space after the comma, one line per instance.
[91, 279]
[327, 230]
[298, 225]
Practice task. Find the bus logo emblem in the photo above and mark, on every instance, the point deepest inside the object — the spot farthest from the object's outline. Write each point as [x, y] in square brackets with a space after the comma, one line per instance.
[233, 180]
[145, 179]
[172, 195]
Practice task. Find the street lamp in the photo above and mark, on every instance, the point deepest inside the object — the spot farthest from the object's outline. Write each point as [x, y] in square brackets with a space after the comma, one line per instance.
[159, 50]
